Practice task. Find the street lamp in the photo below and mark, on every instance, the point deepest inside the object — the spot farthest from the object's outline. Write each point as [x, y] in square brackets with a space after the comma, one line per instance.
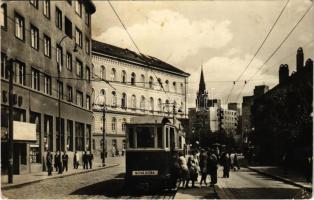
[101, 102]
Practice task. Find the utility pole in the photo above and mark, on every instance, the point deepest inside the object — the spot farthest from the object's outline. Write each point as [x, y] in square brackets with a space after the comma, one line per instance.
[10, 138]
[104, 134]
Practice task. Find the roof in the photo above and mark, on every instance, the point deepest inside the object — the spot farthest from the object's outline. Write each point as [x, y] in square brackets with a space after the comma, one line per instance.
[149, 120]
[108, 49]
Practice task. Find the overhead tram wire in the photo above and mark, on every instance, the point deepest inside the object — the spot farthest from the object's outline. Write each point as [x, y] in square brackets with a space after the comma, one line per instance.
[282, 42]
[259, 48]
[131, 38]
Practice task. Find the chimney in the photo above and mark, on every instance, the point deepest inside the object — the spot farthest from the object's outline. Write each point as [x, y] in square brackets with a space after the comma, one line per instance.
[309, 63]
[300, 59]
[283, 73]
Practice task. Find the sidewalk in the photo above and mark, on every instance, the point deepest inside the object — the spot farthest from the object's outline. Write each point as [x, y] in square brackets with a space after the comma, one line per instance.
[292, 177]
[20, 180]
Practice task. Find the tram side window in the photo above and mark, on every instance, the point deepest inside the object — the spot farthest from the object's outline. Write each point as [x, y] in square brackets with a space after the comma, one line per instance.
[167, 137]
[172, 137]
[180, 142]
[145, 137]
[131, 138]
[159, 137]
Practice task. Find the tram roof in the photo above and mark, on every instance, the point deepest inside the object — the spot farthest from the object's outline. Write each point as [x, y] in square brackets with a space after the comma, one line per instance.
[149, 120]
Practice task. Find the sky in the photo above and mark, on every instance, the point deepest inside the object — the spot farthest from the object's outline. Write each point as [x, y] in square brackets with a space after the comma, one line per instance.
[220, 35]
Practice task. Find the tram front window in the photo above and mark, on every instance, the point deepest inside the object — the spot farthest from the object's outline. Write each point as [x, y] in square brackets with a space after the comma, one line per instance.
[159, 137]
[131, 138]
[145, 137]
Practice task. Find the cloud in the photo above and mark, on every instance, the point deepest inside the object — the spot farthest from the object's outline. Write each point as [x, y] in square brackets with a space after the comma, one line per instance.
[171, 35]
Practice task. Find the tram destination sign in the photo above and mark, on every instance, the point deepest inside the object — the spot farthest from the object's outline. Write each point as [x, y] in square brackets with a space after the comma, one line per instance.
[145, 173]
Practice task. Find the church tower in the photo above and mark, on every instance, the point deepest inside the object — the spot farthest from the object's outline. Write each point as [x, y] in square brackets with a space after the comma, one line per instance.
[202, 95]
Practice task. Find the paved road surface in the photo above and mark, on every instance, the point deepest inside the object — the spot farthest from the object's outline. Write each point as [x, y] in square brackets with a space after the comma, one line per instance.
[106, 183]
[246, 184]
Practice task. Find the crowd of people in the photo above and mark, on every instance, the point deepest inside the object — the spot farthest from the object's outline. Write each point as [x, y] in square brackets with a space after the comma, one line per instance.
[201, 163]
[60, 161]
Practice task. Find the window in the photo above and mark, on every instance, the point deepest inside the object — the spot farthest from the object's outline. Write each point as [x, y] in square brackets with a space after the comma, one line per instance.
[59, 57]
[58, 18]
[159, 105]
[114, 124]
[167, 85]
[145, 137]
[102, 92]
[34, 3]
[167, 106]
[34, 37]
[133, 101]
[35, 79]
[123, 77]
[87, 74]
[123, 124]
[182, 88]
[113, 74]
[131, 138]
[69, 61]
[20, 73]
[123, 101]
[151, 104]
[87, 102]
[47, 46]
[60, 89]
[159, 137]
[78, 7]
[143, 104]
[87, 18]
[102, 72]
[68, 27]
[69, 1]
[79, 68]
[114, 99]
[78, 37]
[174, 86]
[87, 46]
[79, 136]
[69, 135]
[79, 98]
[151, 82]
[4, 70]
[69, 94]
[143, 80]
[47, 8]
[3, 20]
[133, 78]
[47, 82]
[19, 27]
[159, 84]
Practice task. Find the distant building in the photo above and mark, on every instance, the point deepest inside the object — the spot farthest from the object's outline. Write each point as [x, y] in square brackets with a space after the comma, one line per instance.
[283, 116]
[42, 37]
[131, 85]
[247, 128]
[229, 121]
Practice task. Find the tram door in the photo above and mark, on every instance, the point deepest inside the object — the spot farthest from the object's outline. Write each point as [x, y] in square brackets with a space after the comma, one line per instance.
[172, 139]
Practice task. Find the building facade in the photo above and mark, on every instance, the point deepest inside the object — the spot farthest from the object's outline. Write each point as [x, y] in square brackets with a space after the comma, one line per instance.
[132, 85]
[283, 116]
[41, 37]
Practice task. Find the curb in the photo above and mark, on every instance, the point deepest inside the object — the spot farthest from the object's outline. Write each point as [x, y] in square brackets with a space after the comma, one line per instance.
[7, 187]
[309, 189]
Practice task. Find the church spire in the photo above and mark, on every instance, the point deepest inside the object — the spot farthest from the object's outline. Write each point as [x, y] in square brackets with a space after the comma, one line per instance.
[201, 101]
[202, 86]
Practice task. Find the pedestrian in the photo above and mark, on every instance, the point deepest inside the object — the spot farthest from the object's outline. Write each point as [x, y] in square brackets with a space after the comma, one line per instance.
[123, 151]
[236, 162]
[49, 163]
[203, 166]
[226, 165]
[185, 174]
[59, 163]
[192, 166]
[175, 170]
[56, 161]
[212, 168]
[65, 159]
[75, 164]
[85, 160]
[90, 160]
[113, 151]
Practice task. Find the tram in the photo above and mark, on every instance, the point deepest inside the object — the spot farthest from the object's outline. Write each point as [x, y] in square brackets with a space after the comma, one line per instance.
[151, 143]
